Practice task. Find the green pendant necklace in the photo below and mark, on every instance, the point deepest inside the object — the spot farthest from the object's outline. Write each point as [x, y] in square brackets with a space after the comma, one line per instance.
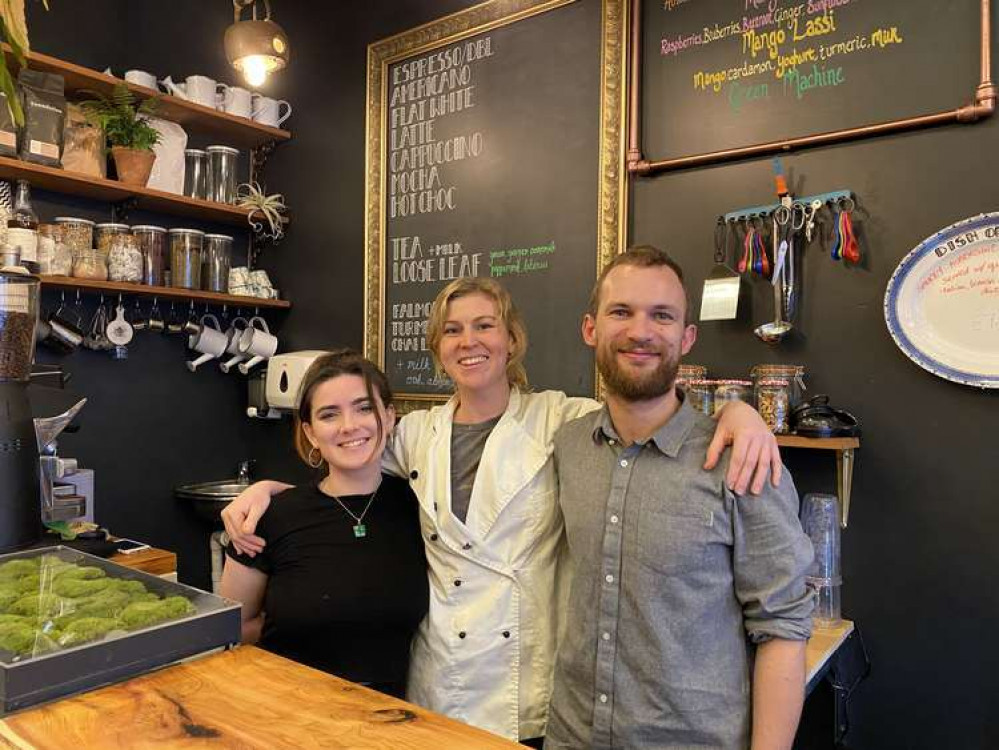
[359, 527]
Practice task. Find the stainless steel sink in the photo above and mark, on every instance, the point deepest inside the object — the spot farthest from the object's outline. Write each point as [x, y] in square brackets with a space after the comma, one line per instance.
[226, 490]
[209, 498]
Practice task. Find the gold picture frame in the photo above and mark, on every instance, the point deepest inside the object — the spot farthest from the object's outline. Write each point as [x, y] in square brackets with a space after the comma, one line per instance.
[612, 194]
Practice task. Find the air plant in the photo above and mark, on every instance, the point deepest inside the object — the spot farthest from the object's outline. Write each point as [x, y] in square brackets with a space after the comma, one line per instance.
[264, 209]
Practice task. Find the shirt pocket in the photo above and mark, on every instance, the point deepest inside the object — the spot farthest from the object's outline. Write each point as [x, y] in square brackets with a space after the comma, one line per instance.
[674, 538]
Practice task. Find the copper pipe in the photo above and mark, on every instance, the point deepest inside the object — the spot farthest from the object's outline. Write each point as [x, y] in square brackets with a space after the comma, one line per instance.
[983, 106]
[635, 84]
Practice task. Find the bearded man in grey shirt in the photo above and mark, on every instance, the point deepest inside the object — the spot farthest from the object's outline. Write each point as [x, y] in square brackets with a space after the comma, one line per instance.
[688, 612]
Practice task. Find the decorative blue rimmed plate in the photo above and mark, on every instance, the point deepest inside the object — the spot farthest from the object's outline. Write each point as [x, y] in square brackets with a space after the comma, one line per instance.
[942, 303]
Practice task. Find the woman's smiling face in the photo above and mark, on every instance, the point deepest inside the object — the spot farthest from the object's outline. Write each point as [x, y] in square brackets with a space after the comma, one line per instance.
[343, 425]
[475, 346]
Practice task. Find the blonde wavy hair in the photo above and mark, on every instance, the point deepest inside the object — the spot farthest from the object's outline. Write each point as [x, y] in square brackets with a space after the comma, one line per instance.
[507, 313]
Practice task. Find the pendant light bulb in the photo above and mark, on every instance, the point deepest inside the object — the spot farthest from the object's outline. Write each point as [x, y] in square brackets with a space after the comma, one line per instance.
[256, 47]
[255, 70]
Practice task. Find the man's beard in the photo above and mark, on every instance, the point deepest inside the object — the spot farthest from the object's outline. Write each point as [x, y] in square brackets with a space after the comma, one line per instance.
[644, 387]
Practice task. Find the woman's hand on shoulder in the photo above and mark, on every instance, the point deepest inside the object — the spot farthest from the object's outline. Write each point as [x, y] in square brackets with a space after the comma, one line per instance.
[242, 514]
[754, 449]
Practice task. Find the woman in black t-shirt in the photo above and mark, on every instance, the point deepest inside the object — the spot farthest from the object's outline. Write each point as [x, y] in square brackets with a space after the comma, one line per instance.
[342, 583]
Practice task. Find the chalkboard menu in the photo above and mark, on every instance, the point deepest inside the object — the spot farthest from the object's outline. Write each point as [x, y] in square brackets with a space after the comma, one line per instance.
[489, 143]
[731, 73]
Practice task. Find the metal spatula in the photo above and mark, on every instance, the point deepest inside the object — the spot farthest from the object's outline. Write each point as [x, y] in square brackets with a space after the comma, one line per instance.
[720, 298]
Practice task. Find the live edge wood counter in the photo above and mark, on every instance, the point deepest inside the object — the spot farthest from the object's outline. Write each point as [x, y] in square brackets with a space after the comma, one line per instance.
[245, 698]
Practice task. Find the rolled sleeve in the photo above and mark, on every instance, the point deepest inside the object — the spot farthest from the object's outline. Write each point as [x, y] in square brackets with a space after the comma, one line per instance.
[771, 555]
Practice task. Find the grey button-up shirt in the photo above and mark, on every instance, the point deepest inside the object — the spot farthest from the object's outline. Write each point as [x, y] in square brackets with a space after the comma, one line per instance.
[673, 578]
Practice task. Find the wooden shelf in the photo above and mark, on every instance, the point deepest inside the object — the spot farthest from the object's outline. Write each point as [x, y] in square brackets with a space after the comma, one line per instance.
[112, 191]
[230, 130]
[163, 292]
[831, 444]
[844, 447]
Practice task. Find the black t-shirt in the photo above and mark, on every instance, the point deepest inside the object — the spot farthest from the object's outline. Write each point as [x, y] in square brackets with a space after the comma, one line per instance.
[336, 602]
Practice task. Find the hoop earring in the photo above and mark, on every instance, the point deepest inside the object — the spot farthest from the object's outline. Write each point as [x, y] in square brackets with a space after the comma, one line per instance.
[314, 462]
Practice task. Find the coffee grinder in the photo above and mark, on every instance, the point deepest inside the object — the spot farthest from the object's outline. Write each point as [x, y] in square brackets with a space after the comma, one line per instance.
[20, 520]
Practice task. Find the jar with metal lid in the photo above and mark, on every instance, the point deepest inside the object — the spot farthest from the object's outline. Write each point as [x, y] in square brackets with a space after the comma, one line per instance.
[216, 259]
[90, 264]
[78, 234]
[195, 173]
[153, 244]
[125, 259]
[793, 374]
[222, 163]
[732, 390]
[773, 403]
[104, 233]
[686, 373]
[186, 246]
[701, 393]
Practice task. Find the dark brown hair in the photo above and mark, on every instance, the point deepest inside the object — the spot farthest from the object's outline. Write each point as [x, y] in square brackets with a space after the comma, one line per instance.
[327, 367]
[640, 256]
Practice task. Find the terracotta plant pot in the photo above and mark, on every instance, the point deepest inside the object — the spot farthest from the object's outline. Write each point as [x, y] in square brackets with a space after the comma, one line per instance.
[133, 165]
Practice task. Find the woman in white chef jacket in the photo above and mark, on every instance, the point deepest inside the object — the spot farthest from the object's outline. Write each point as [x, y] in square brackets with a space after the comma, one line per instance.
[485, 652]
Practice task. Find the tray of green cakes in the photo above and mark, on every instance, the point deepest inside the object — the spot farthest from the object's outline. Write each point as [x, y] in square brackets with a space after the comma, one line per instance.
[71, 622]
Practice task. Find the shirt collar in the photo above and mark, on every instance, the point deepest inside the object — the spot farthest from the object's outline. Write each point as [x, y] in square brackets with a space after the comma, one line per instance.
[668, 439]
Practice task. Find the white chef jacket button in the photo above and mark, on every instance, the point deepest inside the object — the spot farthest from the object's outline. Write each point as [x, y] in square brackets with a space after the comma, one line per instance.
[609, 578]
[624, 462]
[614, 519]
[506, 633]
[612, 442]
[603, 698]
[462, 634]
[433, 537]
[457, 581]
[605, 636]
[414, 474]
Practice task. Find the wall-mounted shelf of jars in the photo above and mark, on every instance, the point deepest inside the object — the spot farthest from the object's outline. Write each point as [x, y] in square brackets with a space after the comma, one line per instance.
[162, 292]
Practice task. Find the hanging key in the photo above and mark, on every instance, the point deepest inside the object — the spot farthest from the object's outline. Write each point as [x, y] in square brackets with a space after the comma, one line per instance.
[813, 208]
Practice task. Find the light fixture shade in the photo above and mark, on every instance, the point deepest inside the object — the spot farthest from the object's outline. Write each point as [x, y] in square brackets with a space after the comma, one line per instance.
[257, 46]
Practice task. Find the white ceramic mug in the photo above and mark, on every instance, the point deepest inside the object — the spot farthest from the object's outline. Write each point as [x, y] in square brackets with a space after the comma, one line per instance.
[236, 329]
[258, 343]
[267, 111]
[201, 90]
[209, 340]
[141, 78]
[235, 100]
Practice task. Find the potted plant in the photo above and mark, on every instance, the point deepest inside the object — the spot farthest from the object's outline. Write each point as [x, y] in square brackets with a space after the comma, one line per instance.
[128, 131]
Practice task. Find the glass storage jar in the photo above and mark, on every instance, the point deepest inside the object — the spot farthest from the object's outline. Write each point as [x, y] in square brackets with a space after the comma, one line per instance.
[78, 234]
[793, 374]
[216, 259]
[153, 244]
[46, 246]
[62, 256]
[686, 373]
[90, 264]
[104, 233]
[125, 259]
[732, 390]
[185, 257]
[222, 163]
[773, 403]
[701, 393]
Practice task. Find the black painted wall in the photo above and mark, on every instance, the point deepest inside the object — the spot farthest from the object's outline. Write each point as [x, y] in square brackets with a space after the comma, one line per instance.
[919, 555]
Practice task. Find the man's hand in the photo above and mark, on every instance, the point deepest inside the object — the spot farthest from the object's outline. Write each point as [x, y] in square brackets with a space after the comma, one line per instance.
[241, 515]
[754, 449]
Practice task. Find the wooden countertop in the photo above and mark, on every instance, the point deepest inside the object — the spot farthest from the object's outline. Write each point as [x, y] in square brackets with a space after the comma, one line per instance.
[822, 645]
[156, 561]
[245, 698]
